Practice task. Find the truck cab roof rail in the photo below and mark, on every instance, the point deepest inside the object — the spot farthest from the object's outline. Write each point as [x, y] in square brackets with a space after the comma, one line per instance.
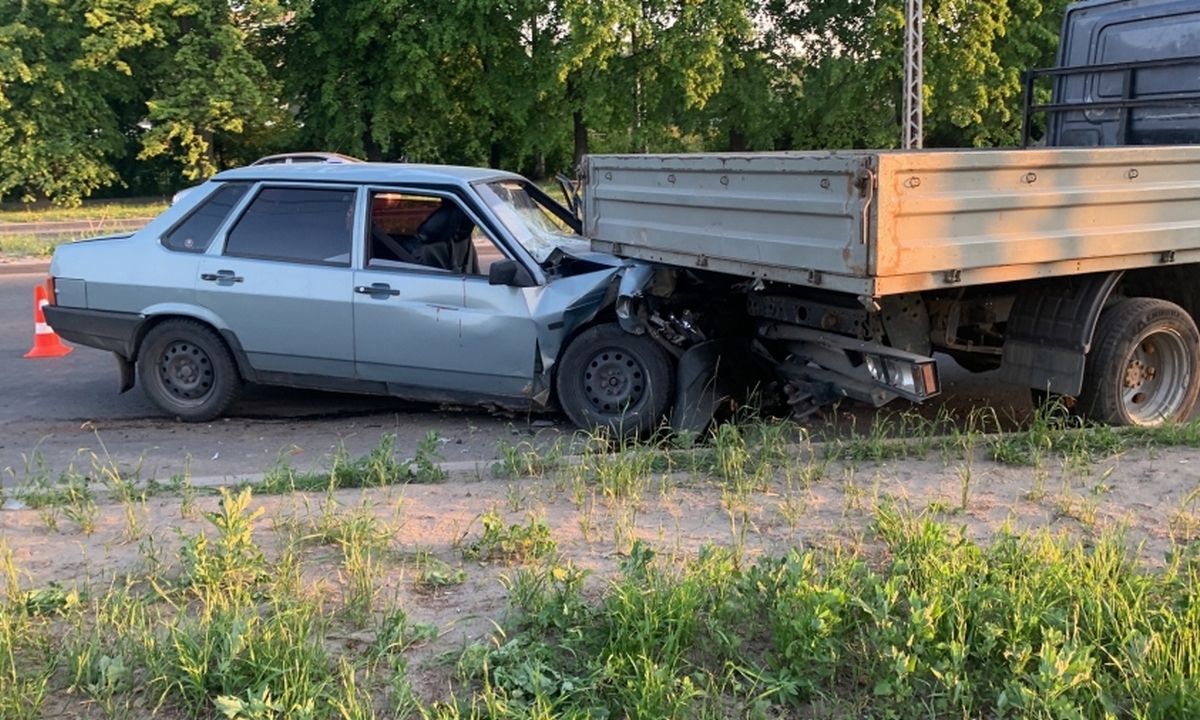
[1121, 87]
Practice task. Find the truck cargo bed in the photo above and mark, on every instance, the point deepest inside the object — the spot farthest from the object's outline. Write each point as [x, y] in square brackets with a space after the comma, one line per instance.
[877, 223]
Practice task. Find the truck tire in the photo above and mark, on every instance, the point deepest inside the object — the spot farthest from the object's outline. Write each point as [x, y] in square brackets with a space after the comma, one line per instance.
[1144, 365]
[611, 379]
[187, 370]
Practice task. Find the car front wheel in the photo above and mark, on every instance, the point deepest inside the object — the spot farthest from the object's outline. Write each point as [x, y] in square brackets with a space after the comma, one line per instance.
[614, 380]
[187, 370]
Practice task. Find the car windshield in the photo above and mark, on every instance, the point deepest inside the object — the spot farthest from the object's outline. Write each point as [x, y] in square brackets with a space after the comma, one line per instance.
[533, 225]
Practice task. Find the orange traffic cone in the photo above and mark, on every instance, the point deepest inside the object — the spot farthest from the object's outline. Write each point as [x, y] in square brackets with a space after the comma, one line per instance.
[45, 341]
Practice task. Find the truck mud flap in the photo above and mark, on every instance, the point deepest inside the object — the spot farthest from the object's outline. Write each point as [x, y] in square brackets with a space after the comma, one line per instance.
[709, 374]
[1050, 331]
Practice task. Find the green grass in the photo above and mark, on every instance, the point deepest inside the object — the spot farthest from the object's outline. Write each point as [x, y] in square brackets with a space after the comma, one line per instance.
[32, 246]
[95, 211]
[1031, 626]
[909, 619]
[99, 215]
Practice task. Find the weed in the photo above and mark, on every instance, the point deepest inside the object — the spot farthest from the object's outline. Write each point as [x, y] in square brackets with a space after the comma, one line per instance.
[433, 573]
[378, 468]
[1184, 523]
[232, 560]
[396, 633]
[621, 471]
[429, 458]
[524, 460]
[361, 571]
[549, 595]
[513, 543]
[891, 436]
[966, 440]
[69, 496]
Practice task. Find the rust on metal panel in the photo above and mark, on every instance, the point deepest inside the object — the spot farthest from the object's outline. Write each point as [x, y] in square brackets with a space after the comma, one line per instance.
[933, 219]
[975, 210]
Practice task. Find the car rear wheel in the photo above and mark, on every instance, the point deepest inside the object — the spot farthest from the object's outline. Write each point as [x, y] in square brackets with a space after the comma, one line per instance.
[1143, 365]
[614, 380]
[187, 370]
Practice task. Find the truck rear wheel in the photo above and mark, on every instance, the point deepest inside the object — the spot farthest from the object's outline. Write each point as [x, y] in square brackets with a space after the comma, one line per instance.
[187, 371]
[608, 378]
[1144, 365]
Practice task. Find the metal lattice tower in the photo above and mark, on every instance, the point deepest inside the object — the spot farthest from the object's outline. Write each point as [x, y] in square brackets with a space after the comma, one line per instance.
[914, 119]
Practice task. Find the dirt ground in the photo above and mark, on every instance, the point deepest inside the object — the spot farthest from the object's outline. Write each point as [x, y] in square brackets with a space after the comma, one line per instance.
[1153, 493]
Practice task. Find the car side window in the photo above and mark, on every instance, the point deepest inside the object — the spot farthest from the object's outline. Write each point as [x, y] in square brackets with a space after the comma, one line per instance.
[307, 225]
[197, 230]
[408, 229]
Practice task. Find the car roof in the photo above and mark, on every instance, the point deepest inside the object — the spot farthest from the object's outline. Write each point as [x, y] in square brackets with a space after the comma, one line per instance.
[303, 157]
[367, 173]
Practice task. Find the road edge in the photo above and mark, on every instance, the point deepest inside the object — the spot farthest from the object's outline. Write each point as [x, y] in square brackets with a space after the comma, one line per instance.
[24, 267]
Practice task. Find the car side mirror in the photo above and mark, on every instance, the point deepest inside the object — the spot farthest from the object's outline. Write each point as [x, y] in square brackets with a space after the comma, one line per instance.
[510, 273]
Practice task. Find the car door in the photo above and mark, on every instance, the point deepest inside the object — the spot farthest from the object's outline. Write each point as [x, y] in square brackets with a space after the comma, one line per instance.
[426, 321]
[281, 282]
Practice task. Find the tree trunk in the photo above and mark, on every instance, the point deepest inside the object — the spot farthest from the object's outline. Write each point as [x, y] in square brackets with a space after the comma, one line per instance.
[581, 136]
[737, 141]
[374, 152]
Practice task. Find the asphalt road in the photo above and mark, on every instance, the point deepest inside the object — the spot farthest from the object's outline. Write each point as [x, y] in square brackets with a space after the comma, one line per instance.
[65, 413]
[76, 387]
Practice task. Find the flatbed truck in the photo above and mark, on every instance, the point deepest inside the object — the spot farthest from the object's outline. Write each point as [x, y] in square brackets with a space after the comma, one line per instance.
[1072, 268]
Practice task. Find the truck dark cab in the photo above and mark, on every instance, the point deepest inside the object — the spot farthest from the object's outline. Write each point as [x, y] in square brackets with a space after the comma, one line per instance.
[1128, 74]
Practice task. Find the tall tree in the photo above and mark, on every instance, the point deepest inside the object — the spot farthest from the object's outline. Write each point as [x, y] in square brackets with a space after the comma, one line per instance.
[200, 66]
[745, 114]
[58, 133]
[851, 59]
[672, 59]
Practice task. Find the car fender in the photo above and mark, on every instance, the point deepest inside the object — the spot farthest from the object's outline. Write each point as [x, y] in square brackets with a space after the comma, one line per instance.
[564, 306]
[163, 311]
[159, 311]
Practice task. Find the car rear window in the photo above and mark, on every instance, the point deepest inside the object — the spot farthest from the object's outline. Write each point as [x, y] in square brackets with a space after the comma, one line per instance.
[309, 225]
[196, 232]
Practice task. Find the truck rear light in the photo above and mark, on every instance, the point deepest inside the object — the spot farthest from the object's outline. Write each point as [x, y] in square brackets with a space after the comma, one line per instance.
[913, 379]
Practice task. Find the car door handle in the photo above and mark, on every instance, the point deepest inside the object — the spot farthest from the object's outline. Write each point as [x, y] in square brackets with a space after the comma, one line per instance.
[376, 289]
[221, 276]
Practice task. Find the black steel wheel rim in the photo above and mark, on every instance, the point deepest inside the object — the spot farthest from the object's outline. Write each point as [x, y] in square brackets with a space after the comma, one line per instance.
[614, 381]
[185, 372]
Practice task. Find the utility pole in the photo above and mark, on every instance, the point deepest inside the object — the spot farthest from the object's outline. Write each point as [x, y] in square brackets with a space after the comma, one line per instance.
[914, 73]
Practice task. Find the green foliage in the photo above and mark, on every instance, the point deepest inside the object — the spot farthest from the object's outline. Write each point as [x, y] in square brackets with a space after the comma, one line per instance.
[232, 560]
[85, 85]
[102, 93]
[917, 622]
[199, 68]
[378, 468]
[1033, 626]
[427, 462]
[58, 133]
[512, 543]
[851, 69]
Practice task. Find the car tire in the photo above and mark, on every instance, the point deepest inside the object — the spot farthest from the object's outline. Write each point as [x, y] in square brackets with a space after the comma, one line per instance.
[1144, 365]
[187, 370]
[615, 381]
